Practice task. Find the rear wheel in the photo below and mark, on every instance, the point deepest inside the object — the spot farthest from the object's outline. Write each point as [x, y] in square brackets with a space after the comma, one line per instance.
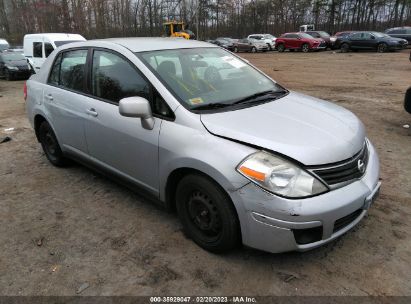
[281, 48]
[207, 214]
[235, 49]
[269, 47]
[382, 48]
[345, 48]
[51, 146]
[305, 47]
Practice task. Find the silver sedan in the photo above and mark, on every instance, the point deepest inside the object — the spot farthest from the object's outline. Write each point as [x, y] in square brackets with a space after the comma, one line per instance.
[241, 158]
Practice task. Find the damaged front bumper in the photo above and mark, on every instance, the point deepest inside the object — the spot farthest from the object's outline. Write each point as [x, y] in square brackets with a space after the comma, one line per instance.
[276, 224]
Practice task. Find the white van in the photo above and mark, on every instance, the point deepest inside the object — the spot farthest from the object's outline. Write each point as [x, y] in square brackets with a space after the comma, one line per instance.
[37, 47]
[4, 45]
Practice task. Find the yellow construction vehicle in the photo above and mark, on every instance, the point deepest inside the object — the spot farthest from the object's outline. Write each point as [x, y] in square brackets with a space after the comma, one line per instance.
[177, 29]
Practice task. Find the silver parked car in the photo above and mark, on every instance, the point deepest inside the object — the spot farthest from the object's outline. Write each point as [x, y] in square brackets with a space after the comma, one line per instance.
[238, 156]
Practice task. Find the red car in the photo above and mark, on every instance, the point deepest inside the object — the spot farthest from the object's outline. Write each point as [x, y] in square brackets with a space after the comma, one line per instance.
[299, 41]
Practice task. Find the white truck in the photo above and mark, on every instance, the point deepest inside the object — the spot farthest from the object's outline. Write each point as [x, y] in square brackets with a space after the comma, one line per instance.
[307, 27]
[37, 47]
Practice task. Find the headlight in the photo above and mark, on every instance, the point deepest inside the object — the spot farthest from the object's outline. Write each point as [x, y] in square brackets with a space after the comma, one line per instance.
[11, 67]
[333, 39]
[280, 176]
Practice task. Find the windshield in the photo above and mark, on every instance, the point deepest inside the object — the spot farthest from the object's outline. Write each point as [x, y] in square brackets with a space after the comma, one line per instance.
[205, 76]
[60, 43]
[13, 56]
[4, 46]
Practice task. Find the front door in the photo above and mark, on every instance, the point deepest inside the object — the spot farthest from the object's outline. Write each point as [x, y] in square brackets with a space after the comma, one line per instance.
[120, 143]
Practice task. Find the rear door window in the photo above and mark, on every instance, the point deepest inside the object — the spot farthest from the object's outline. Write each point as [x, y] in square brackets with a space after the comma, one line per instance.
[54, 76]
[38, 49]
[73, 69]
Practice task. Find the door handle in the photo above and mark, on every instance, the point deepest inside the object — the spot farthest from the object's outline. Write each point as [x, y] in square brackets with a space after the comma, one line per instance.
[49, 97]
[92, 112]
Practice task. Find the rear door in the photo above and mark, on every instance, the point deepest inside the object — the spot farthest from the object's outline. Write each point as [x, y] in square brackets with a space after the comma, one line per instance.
[65, 99]
[121, 143]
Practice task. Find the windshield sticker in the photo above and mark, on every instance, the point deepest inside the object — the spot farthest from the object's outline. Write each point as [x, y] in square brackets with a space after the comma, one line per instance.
[196, 101]
[237, 63]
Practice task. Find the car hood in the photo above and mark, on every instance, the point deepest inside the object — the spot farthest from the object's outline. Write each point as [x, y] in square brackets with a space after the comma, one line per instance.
[309, 130]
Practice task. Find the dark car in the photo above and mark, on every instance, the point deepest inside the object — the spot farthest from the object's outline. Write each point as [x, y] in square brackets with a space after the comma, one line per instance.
[226, 43]
[299, 41]
[371, 41]
[323, 35]
[250, 45]
[407, 101]
[400, 32]
[14, 65]
[336, 38]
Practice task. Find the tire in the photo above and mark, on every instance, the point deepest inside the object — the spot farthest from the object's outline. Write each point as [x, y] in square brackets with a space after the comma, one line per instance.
[269, 47]
[382, 48]
[7, 75]
[280, 48]
[305, 48]
[253, 50]
[345, 48]
[235, 49]
[51, 146]
[207, 214]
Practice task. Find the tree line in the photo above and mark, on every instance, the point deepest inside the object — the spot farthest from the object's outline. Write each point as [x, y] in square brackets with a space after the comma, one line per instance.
[207, 18]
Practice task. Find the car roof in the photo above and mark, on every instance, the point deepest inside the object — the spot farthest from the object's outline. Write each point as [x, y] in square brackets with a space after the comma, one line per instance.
[143, 44]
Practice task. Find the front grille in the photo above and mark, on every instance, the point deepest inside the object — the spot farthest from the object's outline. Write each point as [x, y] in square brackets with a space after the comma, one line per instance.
[346, 170]
[346, 220]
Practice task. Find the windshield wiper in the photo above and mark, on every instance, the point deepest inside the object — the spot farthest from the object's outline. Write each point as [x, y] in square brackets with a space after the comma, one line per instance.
[270, 94]
[212, 106]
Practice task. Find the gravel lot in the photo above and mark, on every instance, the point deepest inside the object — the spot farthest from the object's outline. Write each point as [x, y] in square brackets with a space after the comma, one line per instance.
[68, 231]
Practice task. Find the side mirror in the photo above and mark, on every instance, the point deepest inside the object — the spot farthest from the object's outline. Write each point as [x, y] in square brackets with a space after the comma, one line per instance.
[407, 101]
[137, 107]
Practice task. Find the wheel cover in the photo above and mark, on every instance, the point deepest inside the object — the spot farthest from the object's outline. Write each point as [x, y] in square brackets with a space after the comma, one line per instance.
[305, 48]
[204, 214]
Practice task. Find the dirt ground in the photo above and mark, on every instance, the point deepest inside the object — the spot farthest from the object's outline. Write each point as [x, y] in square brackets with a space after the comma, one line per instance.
[64, 231]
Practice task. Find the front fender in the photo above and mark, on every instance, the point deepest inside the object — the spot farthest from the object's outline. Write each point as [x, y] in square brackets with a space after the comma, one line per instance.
[184, 147]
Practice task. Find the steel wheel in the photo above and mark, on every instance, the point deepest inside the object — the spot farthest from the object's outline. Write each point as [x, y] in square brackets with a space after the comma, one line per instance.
[204, 215]
[51, 146]
[207, 213]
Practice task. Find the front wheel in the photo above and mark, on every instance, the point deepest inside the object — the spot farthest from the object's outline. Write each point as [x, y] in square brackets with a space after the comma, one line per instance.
[305, 48]
[235, 50]
[207, 214]
[51, 146]
[281, 48]
[382, 48]
[7, 75]
[253, 50]
[345, 48]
